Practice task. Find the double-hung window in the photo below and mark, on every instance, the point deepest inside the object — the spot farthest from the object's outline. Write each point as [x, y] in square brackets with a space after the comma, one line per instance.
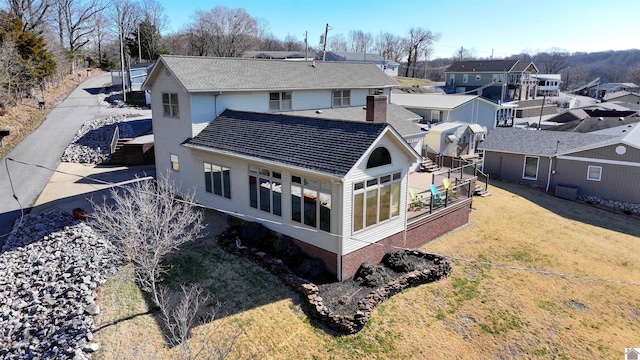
[170, 105]
[280, 101]
[376, 200]
[594, 173]
[175, 162]
[341, 98]
[217, 180]
[311, 202]
[265, 190]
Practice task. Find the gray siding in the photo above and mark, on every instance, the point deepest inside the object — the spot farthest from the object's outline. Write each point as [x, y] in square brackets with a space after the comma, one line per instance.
[609, 153]
[510, 167]
[618, 182]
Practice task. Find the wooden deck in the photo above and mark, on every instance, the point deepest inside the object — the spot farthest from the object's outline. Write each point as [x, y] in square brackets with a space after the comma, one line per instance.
[420, 183]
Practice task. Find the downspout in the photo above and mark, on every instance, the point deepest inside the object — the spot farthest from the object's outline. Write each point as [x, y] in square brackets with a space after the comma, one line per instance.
[215, 104]
[341, 232]
[549, 173]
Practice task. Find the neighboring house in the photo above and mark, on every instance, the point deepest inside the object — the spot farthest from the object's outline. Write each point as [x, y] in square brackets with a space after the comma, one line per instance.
[599, 91]
[499, 80]
[604, 164]
[280, 55]
[389, 67]
[222, 127]
[623, 96]
[134, 78]
[471, 109]
[458, 122]
[548, 84]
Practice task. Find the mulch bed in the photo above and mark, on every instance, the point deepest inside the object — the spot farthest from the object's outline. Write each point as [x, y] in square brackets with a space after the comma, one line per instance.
[344, 306]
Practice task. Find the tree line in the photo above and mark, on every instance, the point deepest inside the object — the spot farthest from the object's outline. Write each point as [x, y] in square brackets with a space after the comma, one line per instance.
[40, 39]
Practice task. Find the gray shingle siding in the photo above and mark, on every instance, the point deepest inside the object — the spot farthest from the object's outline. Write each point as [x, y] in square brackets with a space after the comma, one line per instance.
[197, 73]
[290, 140]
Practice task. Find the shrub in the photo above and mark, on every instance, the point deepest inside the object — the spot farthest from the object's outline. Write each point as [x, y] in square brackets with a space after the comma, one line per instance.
[313, 269]
[399, 261]
[372, 276]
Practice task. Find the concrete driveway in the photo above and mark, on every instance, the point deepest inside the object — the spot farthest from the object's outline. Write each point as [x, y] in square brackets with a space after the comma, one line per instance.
[46, 145]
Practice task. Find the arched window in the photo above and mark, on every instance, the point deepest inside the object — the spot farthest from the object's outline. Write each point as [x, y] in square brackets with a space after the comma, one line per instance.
[380, 156]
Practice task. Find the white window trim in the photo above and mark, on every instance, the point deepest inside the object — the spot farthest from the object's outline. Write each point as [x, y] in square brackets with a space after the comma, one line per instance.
[222, 182]
[524, 168]
[377, 186]
[281, 101]
[465, 78]
[175, 162]
[342, 98]
[599, 178]
[171, 105]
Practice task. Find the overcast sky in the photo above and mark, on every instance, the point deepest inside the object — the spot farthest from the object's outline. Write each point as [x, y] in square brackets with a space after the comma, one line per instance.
[504, 27]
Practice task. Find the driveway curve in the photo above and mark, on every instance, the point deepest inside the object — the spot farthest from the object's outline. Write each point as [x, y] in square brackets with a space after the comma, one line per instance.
[45, 147]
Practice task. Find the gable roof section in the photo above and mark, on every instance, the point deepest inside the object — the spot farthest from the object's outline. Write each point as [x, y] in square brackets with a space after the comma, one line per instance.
[618, 94]
[540, 143]
[482, 66]
[629, 134]
[328, 146]
[400, 118]
[200, 74]
[434, 101]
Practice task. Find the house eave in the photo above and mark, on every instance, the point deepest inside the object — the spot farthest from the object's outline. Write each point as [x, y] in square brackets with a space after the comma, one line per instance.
[291, 88]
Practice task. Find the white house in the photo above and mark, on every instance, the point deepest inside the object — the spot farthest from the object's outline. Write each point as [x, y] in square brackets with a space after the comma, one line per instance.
[226, 128]
[548, 84]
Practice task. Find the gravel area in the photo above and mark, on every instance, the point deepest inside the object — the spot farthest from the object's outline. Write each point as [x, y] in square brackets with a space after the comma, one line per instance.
[50, 269]
[92, 142]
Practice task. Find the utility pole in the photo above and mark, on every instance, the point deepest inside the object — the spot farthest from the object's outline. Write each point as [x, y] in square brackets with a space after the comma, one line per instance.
[120, 36]
[324, 47]
[139, 46]
[306, 47]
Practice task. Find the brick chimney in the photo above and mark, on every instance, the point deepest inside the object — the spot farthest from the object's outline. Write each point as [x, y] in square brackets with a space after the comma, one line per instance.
[376, 108]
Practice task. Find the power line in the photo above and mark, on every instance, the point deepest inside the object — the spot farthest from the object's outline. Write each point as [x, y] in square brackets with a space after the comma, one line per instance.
[452, 257]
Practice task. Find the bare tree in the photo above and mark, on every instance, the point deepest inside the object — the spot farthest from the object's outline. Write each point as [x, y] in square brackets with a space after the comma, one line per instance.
[147, 222]
[32, 13]
[463, 54]
[552, 61]
[101, 33]
[181, 314]
[291, 43]
[75, 21]
[337, 42]
[634, 74]
[223, 32]
[389, 46]
[154, 12]
[418, 42]
[270, 42]
[360, 41]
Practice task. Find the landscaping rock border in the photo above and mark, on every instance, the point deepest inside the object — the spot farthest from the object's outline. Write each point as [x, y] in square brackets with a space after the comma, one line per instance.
[50, 269]
[310, 292]
[92, 142]
[626, 207]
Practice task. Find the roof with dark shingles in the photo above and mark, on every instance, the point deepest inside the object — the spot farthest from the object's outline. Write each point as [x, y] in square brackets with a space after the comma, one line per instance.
[197, 73]
[542, 143]
[482, 65]
[400, 118]
[590, 124]
[328, 146]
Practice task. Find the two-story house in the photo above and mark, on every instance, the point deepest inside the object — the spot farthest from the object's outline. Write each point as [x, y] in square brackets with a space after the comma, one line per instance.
[228, 128]
[498, 80]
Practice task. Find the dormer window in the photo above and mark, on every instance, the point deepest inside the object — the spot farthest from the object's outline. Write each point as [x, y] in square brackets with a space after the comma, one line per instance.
[341, 98]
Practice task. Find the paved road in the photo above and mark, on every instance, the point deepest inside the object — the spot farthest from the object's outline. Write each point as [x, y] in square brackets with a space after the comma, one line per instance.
[46, 145]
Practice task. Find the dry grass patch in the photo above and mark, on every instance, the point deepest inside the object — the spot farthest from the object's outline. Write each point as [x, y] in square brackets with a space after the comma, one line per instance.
[405, 81]
[481, 311]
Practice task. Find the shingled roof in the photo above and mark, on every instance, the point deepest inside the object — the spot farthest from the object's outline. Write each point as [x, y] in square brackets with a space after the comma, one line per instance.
[328, 146]
[541, 143]
[489, 66]
[197, 73]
